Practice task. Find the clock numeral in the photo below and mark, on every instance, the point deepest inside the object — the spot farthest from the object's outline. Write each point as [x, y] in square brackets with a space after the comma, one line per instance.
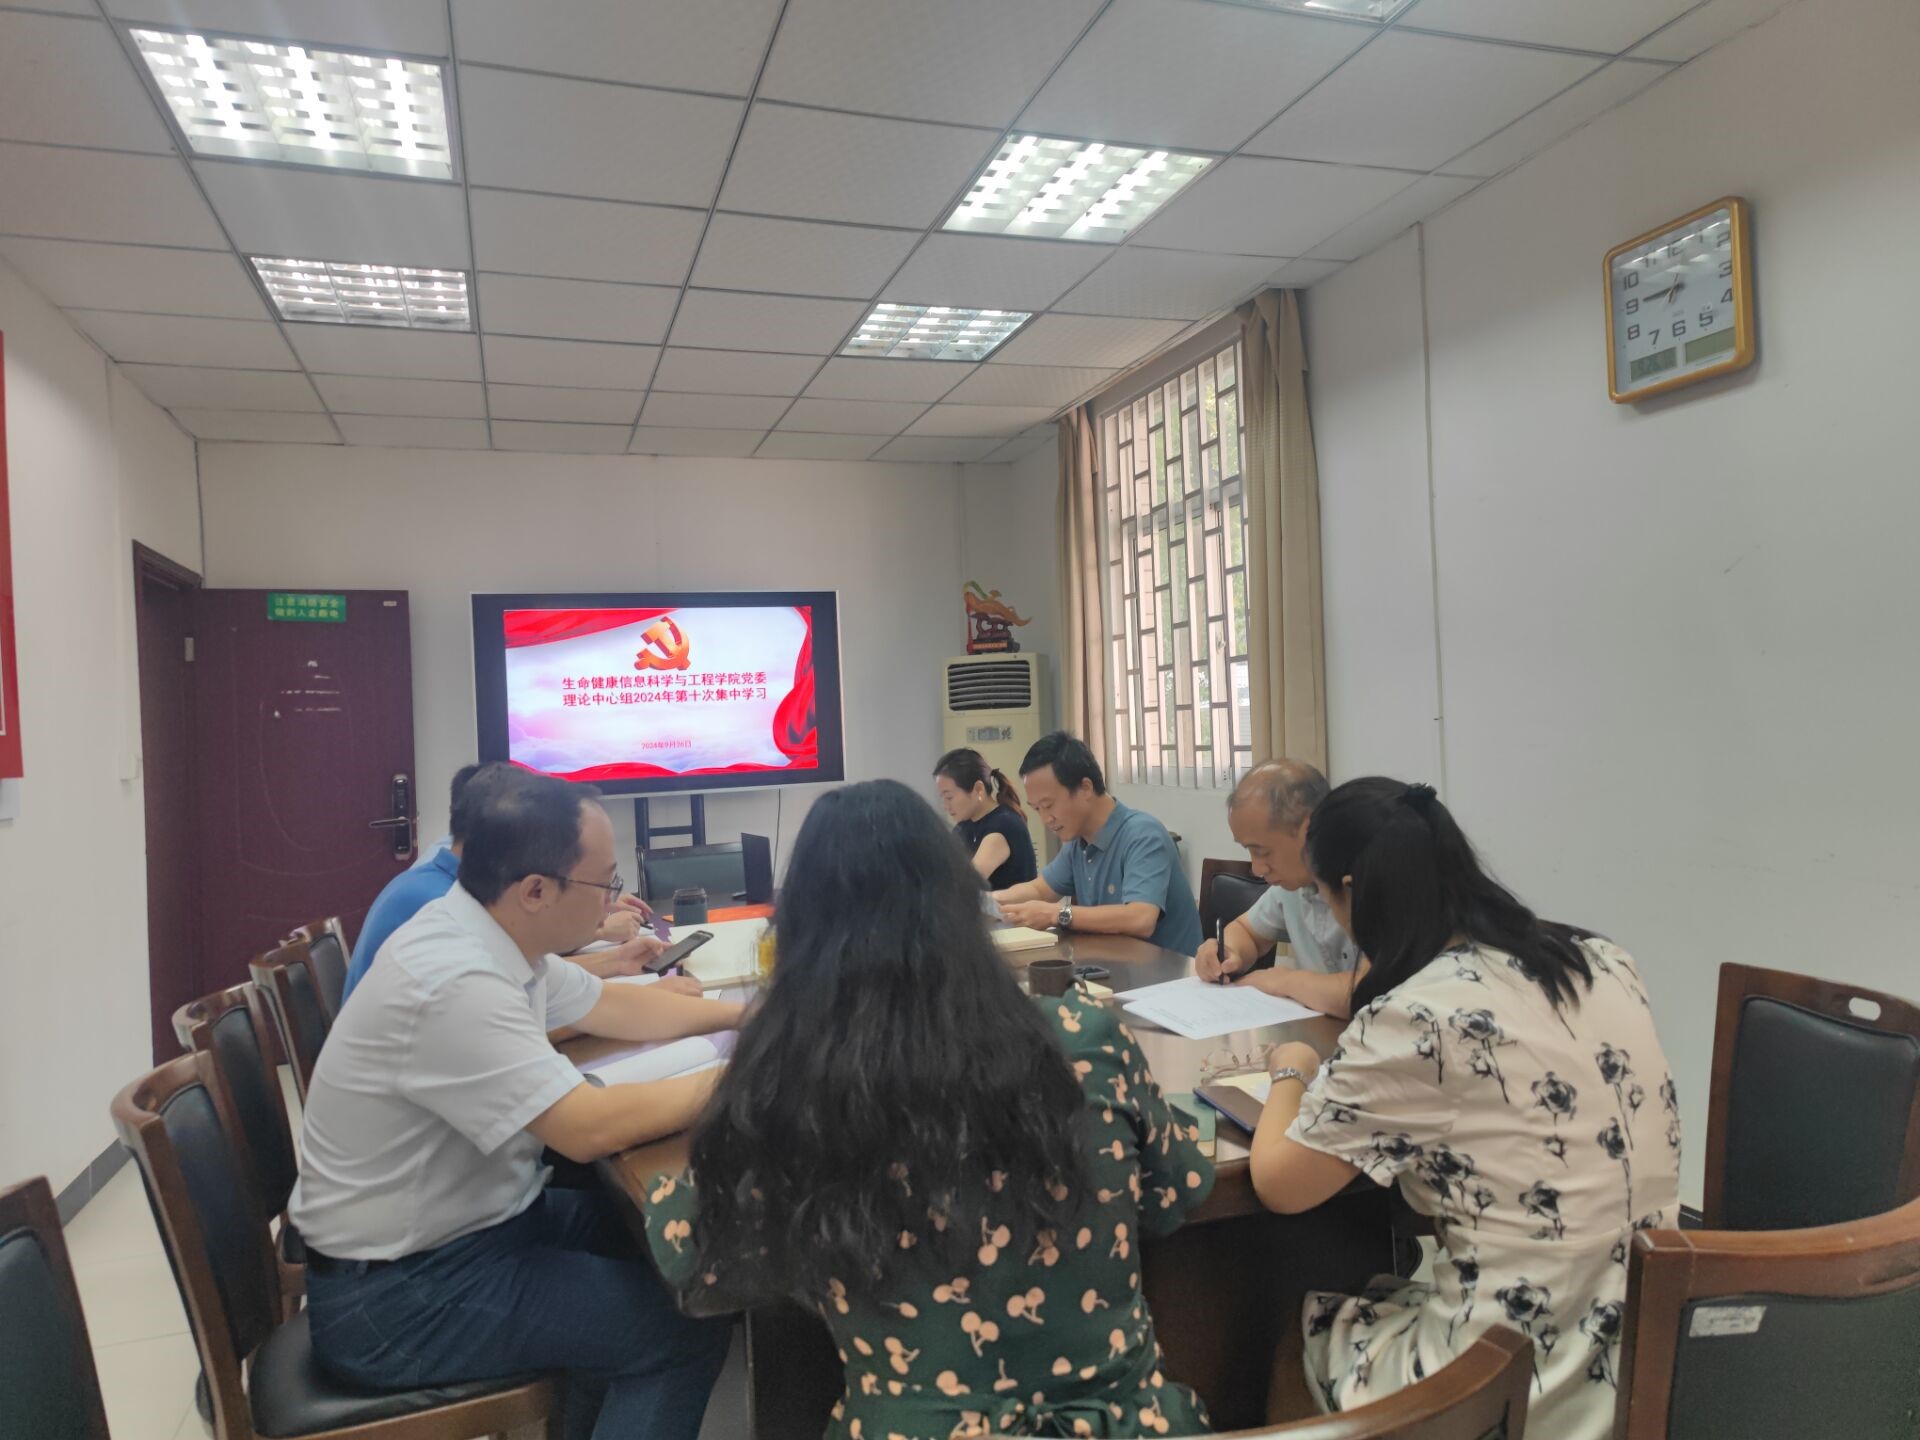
[1656, 336]
[1679, 328]
[1726, 238]
[1633, 332]
[1706, 319]
[1633, 306]
[1727, 298]
[1632, 282]
[1726, 268]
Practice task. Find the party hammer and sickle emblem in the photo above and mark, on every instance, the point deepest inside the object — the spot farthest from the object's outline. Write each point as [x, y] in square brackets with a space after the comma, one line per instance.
[665, 647]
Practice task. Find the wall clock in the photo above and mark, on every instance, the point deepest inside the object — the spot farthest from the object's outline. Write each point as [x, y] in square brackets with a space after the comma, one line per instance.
[1680, 302]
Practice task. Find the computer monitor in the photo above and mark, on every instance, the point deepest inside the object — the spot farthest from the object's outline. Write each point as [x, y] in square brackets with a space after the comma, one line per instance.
[757, 853]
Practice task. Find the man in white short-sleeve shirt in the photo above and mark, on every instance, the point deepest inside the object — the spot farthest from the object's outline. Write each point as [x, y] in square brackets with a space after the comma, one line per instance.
[1268, 813]
[437, 1254]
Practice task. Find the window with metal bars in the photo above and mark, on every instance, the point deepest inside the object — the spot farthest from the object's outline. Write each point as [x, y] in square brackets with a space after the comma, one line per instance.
[1173, 555]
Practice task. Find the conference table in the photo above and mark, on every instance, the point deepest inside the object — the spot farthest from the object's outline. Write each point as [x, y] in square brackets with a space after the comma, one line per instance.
[1221, 1288]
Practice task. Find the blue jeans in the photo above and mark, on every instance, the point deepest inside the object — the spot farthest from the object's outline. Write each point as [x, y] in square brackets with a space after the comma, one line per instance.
[558, 1288]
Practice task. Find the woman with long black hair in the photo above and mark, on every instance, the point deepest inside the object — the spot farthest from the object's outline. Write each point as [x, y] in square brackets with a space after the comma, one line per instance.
[1504, 1071]
[954, 1176]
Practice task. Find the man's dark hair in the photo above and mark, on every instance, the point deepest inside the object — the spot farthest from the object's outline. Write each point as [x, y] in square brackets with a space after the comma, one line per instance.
[469, 784]
[1068, 757]
[525, 824]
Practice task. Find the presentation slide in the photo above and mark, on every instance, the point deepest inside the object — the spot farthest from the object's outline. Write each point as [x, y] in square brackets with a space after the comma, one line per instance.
[608, 695]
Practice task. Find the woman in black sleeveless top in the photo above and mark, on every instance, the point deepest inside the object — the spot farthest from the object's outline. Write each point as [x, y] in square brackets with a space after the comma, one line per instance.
[987, 817]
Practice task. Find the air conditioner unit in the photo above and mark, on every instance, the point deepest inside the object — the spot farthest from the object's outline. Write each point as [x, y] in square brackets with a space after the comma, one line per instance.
[999, 705]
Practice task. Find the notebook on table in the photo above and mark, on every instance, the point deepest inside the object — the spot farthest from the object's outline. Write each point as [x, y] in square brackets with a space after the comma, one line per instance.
[1240, 1098]
[1019, 937]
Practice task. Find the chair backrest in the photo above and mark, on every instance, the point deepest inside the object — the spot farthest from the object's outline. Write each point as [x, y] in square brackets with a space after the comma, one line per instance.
[1814, 1114]
[1773, 1335]
[721, 870]
[236, 1027]
[48, 1387]
[1228, 889]
[328, 953]
[285, 976]
[178, 1121]
[1481, 1396]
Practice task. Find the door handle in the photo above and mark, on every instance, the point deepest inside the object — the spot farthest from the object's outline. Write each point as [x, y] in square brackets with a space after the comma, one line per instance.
[397, 823]
[401, 821]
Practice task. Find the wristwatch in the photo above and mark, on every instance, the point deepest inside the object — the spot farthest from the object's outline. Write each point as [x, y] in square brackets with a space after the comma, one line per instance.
[1287, 1072]
[1064, 920]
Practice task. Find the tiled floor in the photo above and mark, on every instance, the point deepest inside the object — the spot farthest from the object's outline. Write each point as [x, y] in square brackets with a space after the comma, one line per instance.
[140, 1340]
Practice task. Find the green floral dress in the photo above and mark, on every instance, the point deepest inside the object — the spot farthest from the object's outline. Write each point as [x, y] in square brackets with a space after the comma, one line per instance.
[1055, 1342]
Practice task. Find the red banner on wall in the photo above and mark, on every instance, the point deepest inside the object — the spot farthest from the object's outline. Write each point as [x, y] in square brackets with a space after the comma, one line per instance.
[10, 756]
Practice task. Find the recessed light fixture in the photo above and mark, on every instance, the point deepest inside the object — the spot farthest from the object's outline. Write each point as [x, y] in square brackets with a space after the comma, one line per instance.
[267, 100]
[1072, 190]
[932, 332]
[393, 295]
[1379, 11]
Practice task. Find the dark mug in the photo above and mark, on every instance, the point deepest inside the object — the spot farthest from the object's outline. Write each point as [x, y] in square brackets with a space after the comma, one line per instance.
[1049, 977]
[690, 906]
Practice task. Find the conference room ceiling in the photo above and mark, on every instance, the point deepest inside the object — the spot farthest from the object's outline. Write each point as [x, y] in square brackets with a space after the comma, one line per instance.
[674, 216]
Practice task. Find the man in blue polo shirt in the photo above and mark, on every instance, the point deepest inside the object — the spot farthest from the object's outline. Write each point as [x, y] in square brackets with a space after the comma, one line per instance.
[1118, 872]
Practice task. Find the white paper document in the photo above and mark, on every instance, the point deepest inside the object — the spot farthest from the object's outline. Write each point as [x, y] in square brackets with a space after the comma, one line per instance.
[663, 1061]
[1200, 1011]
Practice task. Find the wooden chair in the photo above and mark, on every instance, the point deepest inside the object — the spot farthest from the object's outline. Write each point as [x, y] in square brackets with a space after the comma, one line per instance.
[49, 1389]
[328, 953]
[1776, 1335]
[1228, 889]
[235, 1027]
[1480, 1396]
[179, 1122]
[1814, 1115]
[294, 994]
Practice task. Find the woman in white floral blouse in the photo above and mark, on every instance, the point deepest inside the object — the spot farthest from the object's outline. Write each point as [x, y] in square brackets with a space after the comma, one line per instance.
[1504, 1071]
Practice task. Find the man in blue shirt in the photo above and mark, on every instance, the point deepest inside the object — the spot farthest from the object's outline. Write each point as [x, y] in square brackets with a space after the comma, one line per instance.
[1118, 872]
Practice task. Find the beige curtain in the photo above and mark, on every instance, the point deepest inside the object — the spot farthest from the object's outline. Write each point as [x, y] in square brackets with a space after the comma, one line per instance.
[1288, 669]
[1083, 649]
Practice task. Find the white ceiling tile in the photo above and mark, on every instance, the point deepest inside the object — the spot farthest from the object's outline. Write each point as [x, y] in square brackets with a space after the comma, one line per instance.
[1702, 29]
[1166, 284]
[1409, 207]
[1049, 385]
[852, 417]
[933, 449]
[576, 309]
[587, 239]
[790, 445]
[419, 399]
[554, 402]
[192, 386]
[92, 195]
[411, 431]
[734, 320]
[186, 340]
[258, 425]
[979, 421]
[820, 166]
[1021, 446]
[1557, 118]
[992, 272]
[714, 412]
[1300, 274]
[1611, 27]
[413, 27]
[559, 439]
[307, 215]
[1415, 100]
[586, 137]
[734, 372]
[374, 350]
[1281, 208]
[1095, 340]
[1187, 73]
[588, 363]
[974, 64]
[67, 82]
[663, 440]
[849, 378]
[67, 7]
[136, 277]
[715, 45]
[799, 257]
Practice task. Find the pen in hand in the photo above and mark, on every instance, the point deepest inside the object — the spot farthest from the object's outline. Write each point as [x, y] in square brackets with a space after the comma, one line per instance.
[1220, 950]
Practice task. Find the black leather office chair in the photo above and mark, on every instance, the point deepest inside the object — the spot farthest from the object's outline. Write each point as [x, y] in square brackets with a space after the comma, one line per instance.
[48, 1387]
[1228, 889]
[720, 870]
[327, 953]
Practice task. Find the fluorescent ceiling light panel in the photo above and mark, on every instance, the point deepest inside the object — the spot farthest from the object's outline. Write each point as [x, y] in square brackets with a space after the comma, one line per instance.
[1072, 190]
[264, 100]
[366, 294]
[1377, 10]
[932, 332]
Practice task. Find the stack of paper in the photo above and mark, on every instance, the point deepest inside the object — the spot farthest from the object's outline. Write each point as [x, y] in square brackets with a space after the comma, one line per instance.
[663, 1061]
[1200, 1011]
[1018, 937]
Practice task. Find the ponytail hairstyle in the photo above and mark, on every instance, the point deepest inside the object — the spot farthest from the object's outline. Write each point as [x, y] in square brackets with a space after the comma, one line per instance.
[1417, 883]
[968, 768]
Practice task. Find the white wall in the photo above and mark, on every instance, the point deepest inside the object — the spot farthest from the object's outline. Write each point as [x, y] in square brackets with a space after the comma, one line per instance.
[1675, 640]
[443, 524]
[92, 467]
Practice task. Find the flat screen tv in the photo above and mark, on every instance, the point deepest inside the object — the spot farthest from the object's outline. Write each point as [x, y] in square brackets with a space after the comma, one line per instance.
[651, 694]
